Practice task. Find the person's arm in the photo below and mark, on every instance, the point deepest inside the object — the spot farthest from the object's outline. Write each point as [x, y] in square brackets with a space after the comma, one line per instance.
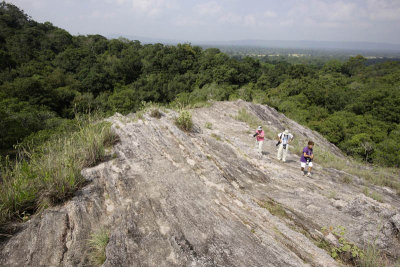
[261, 134]
[305, 155]
[290, 139]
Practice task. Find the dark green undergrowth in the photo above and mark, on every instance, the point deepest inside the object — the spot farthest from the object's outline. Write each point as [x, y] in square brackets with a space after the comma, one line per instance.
[50, 173]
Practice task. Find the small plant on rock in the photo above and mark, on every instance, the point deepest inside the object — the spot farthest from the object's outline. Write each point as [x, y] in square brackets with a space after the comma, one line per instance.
[155, 113]
[184, 121]
[98, 242]
[346, 251]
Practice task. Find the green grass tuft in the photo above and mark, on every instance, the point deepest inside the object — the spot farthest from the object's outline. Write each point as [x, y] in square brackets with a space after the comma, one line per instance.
[50, 173]
[374, 195]
[98, 242]
[274, 208]
[216, 136]
[208, 125]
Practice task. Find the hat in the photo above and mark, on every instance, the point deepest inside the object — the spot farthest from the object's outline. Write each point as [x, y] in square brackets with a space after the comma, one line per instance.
[286, 132]
[259, 128]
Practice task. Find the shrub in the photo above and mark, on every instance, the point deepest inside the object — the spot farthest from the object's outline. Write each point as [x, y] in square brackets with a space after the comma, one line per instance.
[346, 251]
[50, 173]
[347, 179]
[98, 242]
[184, 120]
[155, 113]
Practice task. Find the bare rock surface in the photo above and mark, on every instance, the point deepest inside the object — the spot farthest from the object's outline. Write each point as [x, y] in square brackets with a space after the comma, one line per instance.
[172, 198]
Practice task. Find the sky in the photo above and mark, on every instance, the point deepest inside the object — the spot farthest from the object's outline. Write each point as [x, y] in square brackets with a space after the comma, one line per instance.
[225, 20]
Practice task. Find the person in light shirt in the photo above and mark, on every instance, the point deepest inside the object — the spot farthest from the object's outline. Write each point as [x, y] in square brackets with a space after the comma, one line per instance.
[284, 138]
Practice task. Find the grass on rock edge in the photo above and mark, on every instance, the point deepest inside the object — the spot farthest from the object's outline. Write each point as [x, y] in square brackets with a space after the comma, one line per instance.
[51, 173]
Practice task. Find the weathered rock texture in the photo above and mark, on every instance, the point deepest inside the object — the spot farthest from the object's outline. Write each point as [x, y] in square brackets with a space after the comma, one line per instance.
[172, 198]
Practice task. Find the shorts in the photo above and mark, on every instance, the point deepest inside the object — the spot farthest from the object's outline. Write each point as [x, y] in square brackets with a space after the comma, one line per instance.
[303, 164]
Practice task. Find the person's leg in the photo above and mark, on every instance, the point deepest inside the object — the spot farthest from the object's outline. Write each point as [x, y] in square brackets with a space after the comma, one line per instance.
[303, 165]
[285, 153]
[280, 150]
[309, 168]
[260, 144]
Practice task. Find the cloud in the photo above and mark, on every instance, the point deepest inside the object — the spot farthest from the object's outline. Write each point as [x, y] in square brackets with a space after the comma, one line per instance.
[145, 7]
[269, 14]
[383, 10]
[234, 18]
[149, 7]
[363, 20]
[320, 10]
[208, 8]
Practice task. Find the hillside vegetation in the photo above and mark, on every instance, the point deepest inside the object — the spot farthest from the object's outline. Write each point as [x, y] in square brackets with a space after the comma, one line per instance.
[47, 76]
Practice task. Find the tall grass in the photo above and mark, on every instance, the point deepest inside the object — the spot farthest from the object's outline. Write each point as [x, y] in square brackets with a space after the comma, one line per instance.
[98, 242]
[373, 257]
[50, 173]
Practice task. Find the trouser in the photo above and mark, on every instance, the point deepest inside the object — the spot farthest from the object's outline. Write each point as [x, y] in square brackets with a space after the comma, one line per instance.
[282, 153]
[259, 145]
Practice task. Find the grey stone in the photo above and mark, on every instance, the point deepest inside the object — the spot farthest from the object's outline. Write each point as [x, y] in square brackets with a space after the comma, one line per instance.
[173, 198]
[396, 222]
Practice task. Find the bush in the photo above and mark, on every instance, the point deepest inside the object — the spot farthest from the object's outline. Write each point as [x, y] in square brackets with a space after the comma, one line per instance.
[184, 121]
[208, 125]
[98, 242]
[155, 113]
[50, 173]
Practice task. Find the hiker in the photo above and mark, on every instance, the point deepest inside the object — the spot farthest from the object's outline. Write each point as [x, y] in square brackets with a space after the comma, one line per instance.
[307, 158]
[284, 140]
[259, 139]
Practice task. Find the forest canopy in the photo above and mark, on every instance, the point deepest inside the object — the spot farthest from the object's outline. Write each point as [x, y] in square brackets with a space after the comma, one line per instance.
[48, 76]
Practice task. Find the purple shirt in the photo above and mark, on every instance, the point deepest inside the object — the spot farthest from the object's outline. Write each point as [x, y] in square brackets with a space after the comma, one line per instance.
[308, 151]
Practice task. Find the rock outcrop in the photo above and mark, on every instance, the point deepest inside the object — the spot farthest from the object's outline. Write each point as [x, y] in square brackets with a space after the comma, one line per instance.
[205, 198]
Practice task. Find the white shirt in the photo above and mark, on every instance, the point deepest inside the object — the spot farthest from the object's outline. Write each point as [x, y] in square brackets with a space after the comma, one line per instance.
[285, 137]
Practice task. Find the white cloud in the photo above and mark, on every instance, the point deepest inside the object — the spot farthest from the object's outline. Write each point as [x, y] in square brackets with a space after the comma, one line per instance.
[269, 14]
[233, 18]
[208, 8]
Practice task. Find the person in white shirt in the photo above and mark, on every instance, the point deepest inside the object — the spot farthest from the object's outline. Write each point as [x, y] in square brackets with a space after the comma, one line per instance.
[284, 138]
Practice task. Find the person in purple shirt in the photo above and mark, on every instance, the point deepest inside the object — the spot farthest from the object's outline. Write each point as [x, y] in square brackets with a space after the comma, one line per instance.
[307, 157]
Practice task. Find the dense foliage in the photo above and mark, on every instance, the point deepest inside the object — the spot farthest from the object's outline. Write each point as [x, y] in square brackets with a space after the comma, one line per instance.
[47, 76]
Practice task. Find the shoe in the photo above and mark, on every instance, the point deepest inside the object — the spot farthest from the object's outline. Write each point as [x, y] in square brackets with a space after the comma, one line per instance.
[283, 160]
[309, 174]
